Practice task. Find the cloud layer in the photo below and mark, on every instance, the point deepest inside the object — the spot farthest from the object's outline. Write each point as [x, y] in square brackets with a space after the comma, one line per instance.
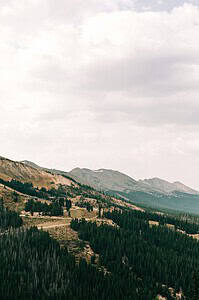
[109, 84]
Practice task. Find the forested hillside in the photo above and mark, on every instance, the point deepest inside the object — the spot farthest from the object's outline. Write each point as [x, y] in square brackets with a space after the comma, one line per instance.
[131, 259]
[33, 266]
[178, 201]
[8, 218]
[144, 258]
[22, 182]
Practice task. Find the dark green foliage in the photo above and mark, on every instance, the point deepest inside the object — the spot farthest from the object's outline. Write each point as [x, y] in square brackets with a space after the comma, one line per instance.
[85, 204]
[66, 176]
[143, 256]
[15, 197]
[176, 201]
[8, 218]
[53, 209]
[58, 194]
[25, 188]
[33, 266]
[185, 223]
[56, 209]
[68, 204]
[194, 290]
[61, 201]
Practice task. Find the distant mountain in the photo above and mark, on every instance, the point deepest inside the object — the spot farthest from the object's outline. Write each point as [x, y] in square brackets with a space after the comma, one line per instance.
[163, 186]
[107, 180]
[154, 192]
[56, 183]
[103, 179]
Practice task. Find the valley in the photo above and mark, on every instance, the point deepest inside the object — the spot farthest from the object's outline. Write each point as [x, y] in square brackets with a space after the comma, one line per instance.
[106, 238]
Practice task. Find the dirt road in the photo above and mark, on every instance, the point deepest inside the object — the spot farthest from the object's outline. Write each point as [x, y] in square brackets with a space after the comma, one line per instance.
[44, 226]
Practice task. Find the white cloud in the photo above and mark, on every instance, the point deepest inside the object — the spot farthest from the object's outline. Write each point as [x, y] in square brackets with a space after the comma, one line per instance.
[101, 84]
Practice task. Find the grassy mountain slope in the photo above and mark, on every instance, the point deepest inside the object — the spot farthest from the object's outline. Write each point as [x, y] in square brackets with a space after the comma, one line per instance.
[22, 172]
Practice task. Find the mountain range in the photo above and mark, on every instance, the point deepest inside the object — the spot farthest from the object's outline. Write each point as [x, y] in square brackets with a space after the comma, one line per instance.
[110, 180]
[107, 180]
[154, 192]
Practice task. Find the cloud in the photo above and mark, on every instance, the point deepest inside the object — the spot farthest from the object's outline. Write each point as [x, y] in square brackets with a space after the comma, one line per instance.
[101, 84]
[126, 56]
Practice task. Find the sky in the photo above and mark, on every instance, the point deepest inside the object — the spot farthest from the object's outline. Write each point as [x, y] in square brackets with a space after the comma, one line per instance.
[102, 84]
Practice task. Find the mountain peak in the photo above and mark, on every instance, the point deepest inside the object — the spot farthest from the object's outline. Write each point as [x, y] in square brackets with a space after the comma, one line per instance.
[30, 164]
[103, 179]
[164, 186]
[184, 188]
[112, 180]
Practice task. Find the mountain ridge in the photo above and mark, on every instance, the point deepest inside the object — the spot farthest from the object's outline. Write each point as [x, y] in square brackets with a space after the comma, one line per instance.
[10, 169]
[108, 179]
[154, 193]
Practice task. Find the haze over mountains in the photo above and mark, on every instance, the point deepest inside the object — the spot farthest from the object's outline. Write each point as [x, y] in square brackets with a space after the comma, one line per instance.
[113, 180]
[154, 192]
[110, 180]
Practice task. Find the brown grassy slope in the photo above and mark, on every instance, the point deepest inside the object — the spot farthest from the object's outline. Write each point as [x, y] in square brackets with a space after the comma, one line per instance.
[15, 170]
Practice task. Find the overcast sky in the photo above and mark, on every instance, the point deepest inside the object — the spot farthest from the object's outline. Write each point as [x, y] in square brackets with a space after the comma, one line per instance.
[102, 84]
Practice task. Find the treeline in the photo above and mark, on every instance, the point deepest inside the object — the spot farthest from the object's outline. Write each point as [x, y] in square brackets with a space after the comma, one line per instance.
[25, 188]
[8, 218]
[28, 189]
[52, 209]
[55, 208]
[62, 191]
[143, 258]
[85, 204]
[179, 223]
[110, 243]
[33, 266]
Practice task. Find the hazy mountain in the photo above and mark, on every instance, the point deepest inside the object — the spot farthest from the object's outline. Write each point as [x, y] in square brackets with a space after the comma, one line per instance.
[163, 186]
[154, 192]
[103, 179]
[107, 179]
